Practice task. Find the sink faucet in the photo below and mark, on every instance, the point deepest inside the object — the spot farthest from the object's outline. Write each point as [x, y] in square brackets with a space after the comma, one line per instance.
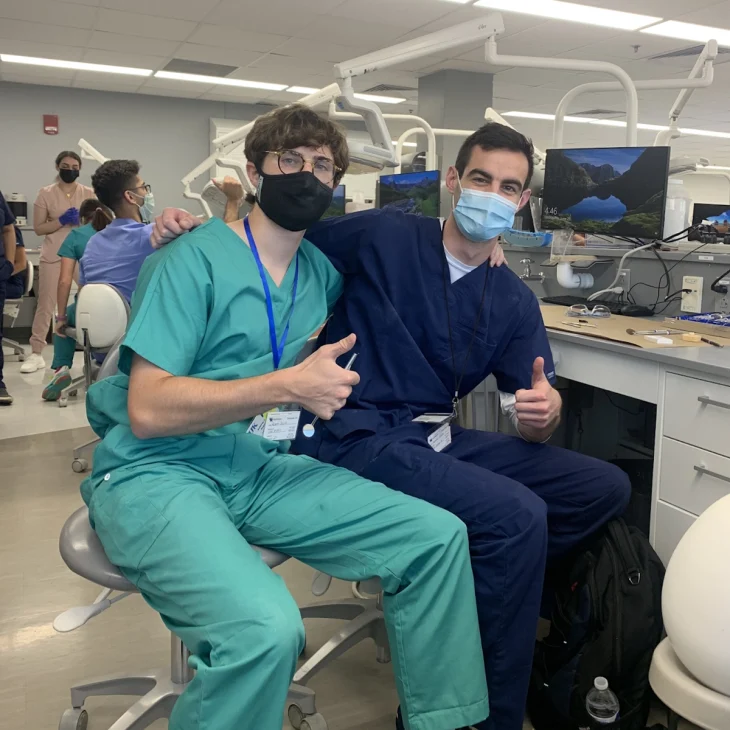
[527, 274]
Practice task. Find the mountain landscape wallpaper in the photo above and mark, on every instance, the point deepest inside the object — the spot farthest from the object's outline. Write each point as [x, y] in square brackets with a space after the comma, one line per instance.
[614, 191]
[412, 192]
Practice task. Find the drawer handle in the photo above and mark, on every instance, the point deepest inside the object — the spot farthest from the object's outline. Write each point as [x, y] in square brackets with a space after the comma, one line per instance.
[707, 401]
[706, 472]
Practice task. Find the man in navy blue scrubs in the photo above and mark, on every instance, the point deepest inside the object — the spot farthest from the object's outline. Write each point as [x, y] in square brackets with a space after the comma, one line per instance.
[433, 319]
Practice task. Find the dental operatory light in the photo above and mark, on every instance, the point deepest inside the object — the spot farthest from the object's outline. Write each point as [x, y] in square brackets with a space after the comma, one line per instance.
[558, 10]
[75, 65]
[217, 80]
[690, 32]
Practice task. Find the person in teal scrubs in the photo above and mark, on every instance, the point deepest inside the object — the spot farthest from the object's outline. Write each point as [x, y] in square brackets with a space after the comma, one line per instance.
[194, 468]
[94, 217]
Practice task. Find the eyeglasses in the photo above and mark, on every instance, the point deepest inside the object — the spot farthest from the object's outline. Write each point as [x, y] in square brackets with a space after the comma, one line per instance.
[147, 188]
[581, 310]
[291, 162]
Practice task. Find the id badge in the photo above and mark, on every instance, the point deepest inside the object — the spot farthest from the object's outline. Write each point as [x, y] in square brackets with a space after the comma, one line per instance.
[281, 425]
[434, 418]
[440, 438]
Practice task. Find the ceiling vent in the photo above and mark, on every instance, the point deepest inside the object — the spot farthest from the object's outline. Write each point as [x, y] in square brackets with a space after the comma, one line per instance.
[380, 88]
[184, 66]
[685, 52]
[600, 113]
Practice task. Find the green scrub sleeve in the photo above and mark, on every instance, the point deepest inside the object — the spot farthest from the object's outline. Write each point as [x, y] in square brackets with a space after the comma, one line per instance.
[68, 247]
[170, 309]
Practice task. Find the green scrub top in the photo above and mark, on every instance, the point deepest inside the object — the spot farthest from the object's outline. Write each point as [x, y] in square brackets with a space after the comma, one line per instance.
[74, 244]
[199, 310]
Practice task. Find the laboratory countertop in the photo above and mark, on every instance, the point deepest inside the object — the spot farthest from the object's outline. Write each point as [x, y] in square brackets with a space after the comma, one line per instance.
[708, 360]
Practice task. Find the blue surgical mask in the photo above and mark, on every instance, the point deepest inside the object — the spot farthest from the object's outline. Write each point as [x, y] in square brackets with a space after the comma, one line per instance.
[482, 216]
[147, 209]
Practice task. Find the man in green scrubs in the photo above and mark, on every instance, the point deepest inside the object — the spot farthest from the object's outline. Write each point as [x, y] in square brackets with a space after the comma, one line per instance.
[193, 468]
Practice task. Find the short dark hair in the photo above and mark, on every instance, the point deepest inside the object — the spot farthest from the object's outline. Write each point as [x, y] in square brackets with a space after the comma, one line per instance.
[67, 153]
[294, 126]
[495, 136]
[112, 179]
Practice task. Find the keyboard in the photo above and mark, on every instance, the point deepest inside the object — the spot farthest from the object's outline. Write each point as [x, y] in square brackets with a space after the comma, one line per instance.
[568, 301]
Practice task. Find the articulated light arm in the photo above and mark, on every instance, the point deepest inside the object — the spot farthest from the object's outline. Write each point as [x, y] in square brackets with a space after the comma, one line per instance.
[91, 153]
[563, 64]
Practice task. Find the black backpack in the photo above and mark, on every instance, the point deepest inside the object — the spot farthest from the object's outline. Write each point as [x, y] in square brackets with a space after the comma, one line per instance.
[606, 622]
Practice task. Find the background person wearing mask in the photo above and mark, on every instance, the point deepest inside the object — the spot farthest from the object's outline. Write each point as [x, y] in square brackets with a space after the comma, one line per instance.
[94, 218]
[55, 213]
[11, 264]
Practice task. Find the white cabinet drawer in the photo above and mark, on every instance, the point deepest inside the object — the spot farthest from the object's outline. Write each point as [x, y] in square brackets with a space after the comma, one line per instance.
[692, 478]
[671, 524]
[698, 413]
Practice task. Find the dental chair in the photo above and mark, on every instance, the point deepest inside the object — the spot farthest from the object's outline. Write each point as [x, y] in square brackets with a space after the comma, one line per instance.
[158, 690]
[102, 314]
[12, 309]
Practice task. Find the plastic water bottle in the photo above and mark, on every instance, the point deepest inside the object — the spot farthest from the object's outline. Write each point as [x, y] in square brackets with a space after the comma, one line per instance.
[602, 705]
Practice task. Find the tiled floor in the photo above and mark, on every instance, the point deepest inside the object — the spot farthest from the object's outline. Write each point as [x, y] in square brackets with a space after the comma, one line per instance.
[29, 414]
[38, 491]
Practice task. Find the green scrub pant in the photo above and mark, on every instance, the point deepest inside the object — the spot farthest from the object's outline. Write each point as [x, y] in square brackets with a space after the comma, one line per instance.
[65, 347]
[184, 541]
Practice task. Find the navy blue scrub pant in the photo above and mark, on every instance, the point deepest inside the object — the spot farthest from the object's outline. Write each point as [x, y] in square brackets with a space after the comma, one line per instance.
[8, 290]
[523, 504]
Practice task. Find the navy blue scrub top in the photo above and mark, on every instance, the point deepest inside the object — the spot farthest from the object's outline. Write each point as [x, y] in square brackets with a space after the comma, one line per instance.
[393, 300]
[6, 219]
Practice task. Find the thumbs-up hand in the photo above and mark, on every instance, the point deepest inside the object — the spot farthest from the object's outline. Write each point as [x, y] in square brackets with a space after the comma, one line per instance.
[319, 384]
[538, 409]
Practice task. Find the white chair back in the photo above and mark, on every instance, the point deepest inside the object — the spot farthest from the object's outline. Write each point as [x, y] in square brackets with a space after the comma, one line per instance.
[102, 313]
[29, 277]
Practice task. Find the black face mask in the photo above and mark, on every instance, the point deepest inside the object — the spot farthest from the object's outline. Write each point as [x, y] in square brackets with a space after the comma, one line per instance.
[68, 176]
[294, 202]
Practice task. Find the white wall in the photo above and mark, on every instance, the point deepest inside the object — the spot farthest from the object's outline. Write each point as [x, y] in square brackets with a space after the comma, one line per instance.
[707, 188]
[168, 136]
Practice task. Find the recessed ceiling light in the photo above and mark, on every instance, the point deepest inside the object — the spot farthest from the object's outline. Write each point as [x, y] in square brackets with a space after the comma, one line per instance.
[75, 65]
[405, 144]
[224, 81]
[558, 10]
[716, 167]
[365, 97]
[616, 123]
[690, 32]
[301, 90]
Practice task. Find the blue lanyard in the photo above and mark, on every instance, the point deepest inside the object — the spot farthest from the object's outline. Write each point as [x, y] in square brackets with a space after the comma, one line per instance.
[277, 346]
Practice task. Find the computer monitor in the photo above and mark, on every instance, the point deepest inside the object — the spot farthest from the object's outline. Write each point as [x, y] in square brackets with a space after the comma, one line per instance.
[718, 215]
[613, 191]
[412, 192]
[337, 206]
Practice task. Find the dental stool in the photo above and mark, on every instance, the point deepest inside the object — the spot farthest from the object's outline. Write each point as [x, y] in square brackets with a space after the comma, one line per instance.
[690, 670]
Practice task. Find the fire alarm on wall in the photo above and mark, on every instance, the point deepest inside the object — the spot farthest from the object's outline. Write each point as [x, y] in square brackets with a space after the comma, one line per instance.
[50, 123]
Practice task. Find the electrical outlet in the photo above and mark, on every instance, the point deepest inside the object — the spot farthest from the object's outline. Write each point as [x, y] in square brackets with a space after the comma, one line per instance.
[692, 300]
[723, 304]
[624, 279]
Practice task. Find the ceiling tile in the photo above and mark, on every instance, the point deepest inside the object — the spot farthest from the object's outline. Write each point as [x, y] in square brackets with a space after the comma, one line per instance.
[320, 50]
[226, 56]
[286, 64]
[40, 50]
[281, 17]
[38, 72]
[666, 9]
[131, 44]
[181, 9]
[551, 39]
[51, 11]
[42, 33]
[173, 85]
[402, 13]
[114, 58]
[179, 93]
[146, 26]
[27, 79]
[228, 37]
[630, 46]
[112, 81]
[346, 32]
[715, 15]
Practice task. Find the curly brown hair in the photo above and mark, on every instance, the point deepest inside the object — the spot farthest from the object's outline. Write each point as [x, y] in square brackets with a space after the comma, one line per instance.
[294, 126]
